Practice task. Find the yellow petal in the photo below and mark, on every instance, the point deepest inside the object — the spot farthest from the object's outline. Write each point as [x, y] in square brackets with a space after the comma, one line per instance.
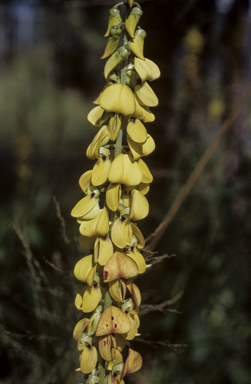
[80, 327]
[113, 320]
[112, 44]
[146, 174]
[138, 258]
[117, 290]
[95, 116]
[100, 139]
[85, 181]
[90, 296]
[100, 171]
[84, 206]
[104, 346]
[137, 44]
[133, 362]
[124, 170]
[114, 126]
[85, 270]
[137, 233]
[136, 130]
[116, 58]
[143, 188]
[120, 266]
[88, 359]
[88, 227]
[87, 242]
[146, 95]
[139, 208]
[130, 2]
[113, 195]
[102, 227]
[143, 113]
[120, 232]
[148, 147]
[136, 296]
[118, 98]
[103, 250]
[132, 21]
[134, 325]
[146, 69]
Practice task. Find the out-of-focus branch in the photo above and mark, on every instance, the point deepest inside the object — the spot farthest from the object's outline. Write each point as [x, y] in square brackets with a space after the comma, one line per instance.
[160, 230]
[161, 307]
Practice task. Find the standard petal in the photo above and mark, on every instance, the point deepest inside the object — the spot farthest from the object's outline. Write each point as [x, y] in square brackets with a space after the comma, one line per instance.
[113, 320]
[118, 98]
[120, 266]
[124, 170]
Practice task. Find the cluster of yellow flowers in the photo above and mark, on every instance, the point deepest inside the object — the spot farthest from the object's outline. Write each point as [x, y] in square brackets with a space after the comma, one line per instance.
[115, 192]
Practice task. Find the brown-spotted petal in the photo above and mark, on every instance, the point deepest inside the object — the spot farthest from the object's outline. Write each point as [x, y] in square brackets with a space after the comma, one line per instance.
[113, 320]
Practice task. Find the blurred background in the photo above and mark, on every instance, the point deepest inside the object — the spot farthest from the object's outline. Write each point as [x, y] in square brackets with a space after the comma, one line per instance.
[50, 72]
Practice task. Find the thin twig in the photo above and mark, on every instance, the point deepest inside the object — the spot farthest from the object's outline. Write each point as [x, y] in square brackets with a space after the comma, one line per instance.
[62, 221]
[160, 230]
[161, 307]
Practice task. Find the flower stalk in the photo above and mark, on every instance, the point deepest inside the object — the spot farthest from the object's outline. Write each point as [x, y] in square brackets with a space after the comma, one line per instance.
[109, 230]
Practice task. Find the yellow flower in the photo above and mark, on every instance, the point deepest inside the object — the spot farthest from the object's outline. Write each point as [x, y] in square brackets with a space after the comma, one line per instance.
[132, 20]
[88, 359]
[101, 170]
[98, 226]
[113, 40]
[121, 233]
[137, 257]
[100, 139]
[118, 98]
[125, 170]
[117, 290]
[88, 298]
[146, 69]
[113, 195]
[114, 125]
[85, 270]
[139, 150]
[139, 207]
[120, 266]
[113, 320]
[145, 95]
[136, 45]
[103, 250]
[87, 208]
[136, 130]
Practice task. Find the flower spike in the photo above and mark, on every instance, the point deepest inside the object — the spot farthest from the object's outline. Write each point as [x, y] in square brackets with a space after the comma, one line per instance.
[113, 201]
